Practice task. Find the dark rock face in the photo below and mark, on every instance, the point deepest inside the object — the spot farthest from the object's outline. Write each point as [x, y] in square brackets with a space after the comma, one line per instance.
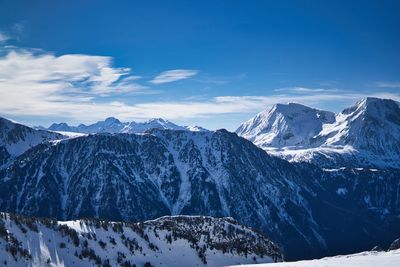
[129, 177]
[377, 248]
[362, 203]
[395, 244]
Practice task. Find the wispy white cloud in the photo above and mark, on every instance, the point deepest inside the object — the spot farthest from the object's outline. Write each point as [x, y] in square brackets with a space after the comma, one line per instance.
[388, 84]
[4, 37]
[41, 75]
[14, 32]
[212, 81]
[328, 83]
[36, 83]
[219, 80]
[173, 75]
[306, 90]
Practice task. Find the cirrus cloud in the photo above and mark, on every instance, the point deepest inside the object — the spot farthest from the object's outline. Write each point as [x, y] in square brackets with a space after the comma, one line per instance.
[43, 76]
[173, 75]
[305, 90]
[388, 84]
[4, 37]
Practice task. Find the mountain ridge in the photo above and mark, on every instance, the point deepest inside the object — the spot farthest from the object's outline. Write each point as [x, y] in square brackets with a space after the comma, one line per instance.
[113, 125]
[17, 138]
[202, 241]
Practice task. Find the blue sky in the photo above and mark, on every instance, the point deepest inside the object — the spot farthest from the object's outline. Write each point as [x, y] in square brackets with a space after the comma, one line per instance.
[210, 63]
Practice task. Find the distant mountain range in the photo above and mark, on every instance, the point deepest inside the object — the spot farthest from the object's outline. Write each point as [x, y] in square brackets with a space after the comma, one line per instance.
[113, 125]
[327, 204]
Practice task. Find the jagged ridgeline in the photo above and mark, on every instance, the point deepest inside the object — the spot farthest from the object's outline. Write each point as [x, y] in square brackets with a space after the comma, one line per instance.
[168, 241]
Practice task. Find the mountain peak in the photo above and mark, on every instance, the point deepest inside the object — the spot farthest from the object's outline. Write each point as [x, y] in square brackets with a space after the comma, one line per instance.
[63, 124]
[112, 120]
[288, 124]
[371, 103]
[290, 105]
[290, 108]
[161, 120]
[376, 109]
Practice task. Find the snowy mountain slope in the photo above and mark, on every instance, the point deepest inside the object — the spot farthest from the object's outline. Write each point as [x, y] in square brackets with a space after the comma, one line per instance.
[113, 125]
[137, 177]
[365, 259]
[285, 125]
[371, 125]
[16, 138]
[364, 135]
[167, 241]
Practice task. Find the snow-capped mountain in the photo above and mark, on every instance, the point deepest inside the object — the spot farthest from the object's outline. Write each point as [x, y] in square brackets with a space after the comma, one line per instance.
[167, 241]
[113, 125]
[307, 210]
[16, 138]
[364, 135]
[285, 126]
[372, 125]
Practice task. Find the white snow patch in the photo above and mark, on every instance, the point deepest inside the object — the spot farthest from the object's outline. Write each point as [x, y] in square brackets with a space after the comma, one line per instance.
[363, 259]
[341, 191]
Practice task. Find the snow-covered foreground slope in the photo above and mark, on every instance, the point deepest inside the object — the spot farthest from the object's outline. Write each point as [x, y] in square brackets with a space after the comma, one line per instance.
[364, 135]
[363, 259]
[168, 241]
[113, 125]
